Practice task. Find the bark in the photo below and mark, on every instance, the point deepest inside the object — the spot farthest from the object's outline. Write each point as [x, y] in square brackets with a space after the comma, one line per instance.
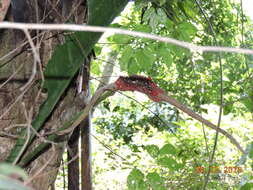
[86, 155]
[73, 166]
[25, 105]
[86, 182]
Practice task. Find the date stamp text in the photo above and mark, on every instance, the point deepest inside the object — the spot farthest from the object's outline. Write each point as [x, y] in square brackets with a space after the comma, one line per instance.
[218, 169]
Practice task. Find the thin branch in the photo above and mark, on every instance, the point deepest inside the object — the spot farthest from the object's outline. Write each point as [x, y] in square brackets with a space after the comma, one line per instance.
[110, 149]
[221, 95]
[88, 107]
[196, 116]
[75, 27]
[12, 75]
[242, 26]
[28, 136]
[161, 96]
[10, 106]
[108, 68]
[5, 56]
[36, 59]
[141, 86]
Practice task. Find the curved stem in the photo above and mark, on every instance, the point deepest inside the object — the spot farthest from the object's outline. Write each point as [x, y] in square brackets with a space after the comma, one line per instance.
[196, 116]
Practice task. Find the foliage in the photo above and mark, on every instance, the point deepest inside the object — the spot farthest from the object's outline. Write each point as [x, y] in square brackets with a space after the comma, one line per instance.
[192, 76]
[156, 146]
[175, 157]
[10, 176]
[164, 148]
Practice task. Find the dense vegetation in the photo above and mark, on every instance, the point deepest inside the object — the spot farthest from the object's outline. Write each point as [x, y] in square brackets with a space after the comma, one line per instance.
[138, 144]
[163, 148]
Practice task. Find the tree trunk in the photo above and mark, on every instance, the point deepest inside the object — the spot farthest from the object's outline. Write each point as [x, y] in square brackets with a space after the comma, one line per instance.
[19, 106]
[86, 182]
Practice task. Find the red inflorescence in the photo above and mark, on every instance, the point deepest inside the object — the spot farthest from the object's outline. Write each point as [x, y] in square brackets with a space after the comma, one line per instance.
[141, 84]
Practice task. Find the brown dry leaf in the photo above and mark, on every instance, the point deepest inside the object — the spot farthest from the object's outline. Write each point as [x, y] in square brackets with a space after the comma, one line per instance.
[4, 5]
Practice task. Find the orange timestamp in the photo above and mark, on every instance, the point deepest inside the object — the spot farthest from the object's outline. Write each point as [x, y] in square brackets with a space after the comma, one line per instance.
[218, 169]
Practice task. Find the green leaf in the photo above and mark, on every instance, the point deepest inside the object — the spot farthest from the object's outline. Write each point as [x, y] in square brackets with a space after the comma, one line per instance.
[167, 149]
[168, 162]
[7, 183]
[151, 17]
[135, 180]
[121, 39]
[154, 22]
[189, 8]
[162, 2]
[9, 170]
[95, 67]
[169, 24]
[136, 174]
[155, 181]
[162, 16]
[248, 104]
[142, 28]
[127, 54]
[153, 150]
[97, 49]
[145, 59]
[179, 51]
[149, 14]
[155, 17]
[251, 150]
[102, 12]
[133, 66]
[228, 108]
[166, 56]
[139, 4]
[58, 74]
[186, 31]
[247, 186]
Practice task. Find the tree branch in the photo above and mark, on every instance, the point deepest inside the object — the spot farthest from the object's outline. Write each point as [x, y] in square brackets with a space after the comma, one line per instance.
[75, 27]
[132, 83]
[148, 87]
[196, 116]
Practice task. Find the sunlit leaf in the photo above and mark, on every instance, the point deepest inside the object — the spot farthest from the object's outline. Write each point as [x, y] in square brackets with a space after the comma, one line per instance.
[166, 56]
[121, 39]
[187, 31]
[167, 149]
[153, 150]
[133, 66]
[125, 58]
[95, 67]
[155, 181]
[247, 186]
[143, 28]
[248, 103]
[135, 180]
[149, 14]
[251, 151]
[145, 59]
[168, 162]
